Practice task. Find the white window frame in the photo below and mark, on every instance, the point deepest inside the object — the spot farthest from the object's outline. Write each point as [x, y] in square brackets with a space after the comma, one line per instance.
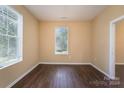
[20, 40]
[60, 53]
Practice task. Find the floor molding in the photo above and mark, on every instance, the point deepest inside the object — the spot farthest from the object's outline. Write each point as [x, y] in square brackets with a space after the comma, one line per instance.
[63, 63]
[101, 71]
[18, 79]
[119, 63]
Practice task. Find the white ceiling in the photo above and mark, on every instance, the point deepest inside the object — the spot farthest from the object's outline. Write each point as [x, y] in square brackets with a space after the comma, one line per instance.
[71, 12]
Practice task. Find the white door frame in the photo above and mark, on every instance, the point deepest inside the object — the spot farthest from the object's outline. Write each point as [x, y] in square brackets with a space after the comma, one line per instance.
[112, 46]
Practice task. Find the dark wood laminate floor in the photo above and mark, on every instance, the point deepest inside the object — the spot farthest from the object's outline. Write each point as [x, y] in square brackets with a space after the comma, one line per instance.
[120, 74]
[64, 76]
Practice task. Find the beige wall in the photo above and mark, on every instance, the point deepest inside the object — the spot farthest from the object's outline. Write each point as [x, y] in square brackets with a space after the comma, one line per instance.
[120, 42]
[101, 36]
[79, 42]
[30, 49]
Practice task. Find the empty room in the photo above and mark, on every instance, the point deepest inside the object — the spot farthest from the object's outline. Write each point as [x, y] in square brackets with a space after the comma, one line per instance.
[61, 46]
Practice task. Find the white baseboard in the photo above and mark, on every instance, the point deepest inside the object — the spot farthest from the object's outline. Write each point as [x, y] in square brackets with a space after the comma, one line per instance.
[101, 71]
[18, 79]
[63, 63]
[119, 63]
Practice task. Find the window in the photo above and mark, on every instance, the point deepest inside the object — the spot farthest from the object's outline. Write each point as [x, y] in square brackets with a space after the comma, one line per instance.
[10, 37]
[61, 40]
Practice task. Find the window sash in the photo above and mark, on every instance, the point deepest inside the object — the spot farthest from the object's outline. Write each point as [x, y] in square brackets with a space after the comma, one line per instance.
[18, 37]
[56, 30]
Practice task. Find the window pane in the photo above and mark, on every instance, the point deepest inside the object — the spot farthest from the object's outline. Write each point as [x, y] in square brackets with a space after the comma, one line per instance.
[12, 48]
[8, 48]
[61, 40]
[0, 9]
[4, 10]
[3, 48]
[12, 28]
[12, 15]
[3, 25]
[7, 12]
[8, 21]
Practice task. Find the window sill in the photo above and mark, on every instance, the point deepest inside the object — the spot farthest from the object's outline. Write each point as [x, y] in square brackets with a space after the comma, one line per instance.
[61, 53]
[10, 63]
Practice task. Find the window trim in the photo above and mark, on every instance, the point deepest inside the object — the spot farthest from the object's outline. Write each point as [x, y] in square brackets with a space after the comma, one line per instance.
[58, 53]
[20, 41]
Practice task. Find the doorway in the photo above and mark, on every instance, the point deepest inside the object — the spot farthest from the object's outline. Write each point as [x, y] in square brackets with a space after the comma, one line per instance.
[112, 47]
